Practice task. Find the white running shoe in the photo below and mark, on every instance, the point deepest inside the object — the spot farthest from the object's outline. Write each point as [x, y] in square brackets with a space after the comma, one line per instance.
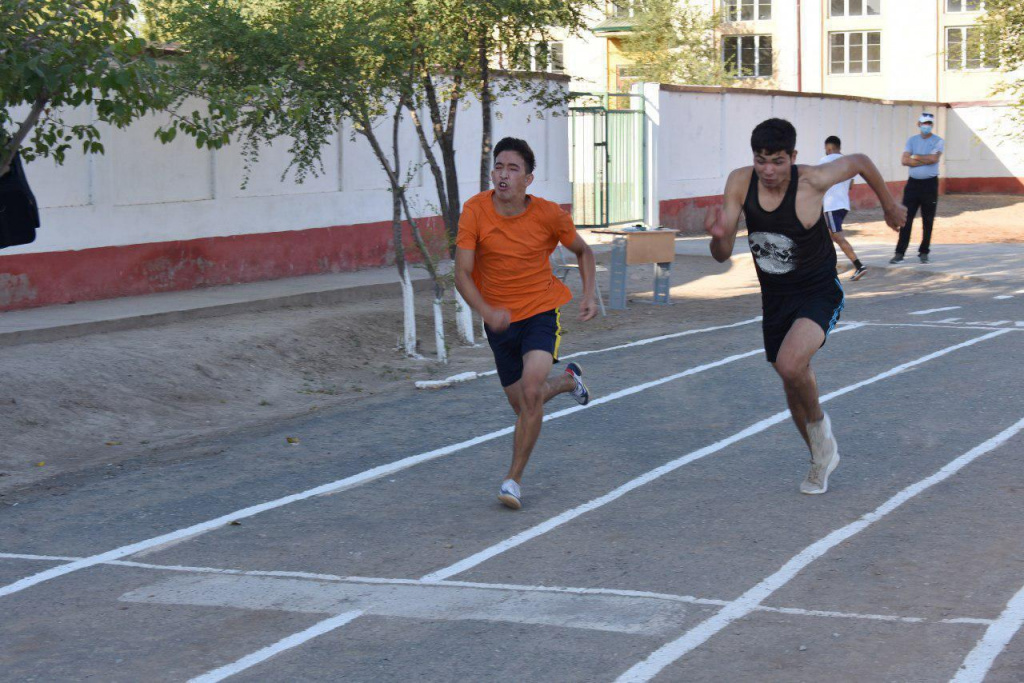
[580, 392]
[510, 494]
[824, 456]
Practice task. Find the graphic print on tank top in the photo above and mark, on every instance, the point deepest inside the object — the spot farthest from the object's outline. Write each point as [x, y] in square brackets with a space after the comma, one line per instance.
[789, 257]
[774, 253]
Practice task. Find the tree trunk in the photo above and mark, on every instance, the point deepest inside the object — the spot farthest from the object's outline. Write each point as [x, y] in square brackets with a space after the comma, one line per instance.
[398, 202]
[464, 320]
[442, 349]
[443, 126]
[485, 112]
[408, 295]
[11, 148]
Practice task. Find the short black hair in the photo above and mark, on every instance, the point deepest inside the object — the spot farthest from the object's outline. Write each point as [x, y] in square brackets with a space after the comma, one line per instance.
[773, 135]
[834, 141]
[516, 145]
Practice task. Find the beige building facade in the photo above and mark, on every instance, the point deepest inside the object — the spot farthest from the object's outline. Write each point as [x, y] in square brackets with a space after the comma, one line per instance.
[928, 50]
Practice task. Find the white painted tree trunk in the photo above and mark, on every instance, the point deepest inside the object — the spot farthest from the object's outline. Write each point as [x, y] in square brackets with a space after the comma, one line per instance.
[483, 329]
[464, 319]
[442, 352]
[409, 310]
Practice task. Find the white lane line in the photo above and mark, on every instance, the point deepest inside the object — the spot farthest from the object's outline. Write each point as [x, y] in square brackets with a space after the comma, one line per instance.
[756, 428]
[42, 558]
[1003, 296]
[935, 310]
[508, 587]
[260, 656]
[936, 324]
[466, 376]
[997, 636]
[948, 320]
[349, 482]
[748, 602]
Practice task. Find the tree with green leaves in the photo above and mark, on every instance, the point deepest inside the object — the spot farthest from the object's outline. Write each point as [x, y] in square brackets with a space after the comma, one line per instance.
[673, 41]
[56, 55]
[300, 70]
[1003, 23]
[456, 42]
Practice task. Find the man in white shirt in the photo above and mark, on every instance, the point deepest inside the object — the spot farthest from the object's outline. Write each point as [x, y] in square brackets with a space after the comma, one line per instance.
[836, 205]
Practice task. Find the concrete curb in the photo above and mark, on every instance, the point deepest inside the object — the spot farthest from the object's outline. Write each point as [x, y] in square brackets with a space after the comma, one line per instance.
[23, 330]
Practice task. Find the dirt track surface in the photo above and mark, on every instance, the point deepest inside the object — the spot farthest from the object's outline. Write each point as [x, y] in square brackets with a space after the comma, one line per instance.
[102, 400]
[959, 219]
[255, 538]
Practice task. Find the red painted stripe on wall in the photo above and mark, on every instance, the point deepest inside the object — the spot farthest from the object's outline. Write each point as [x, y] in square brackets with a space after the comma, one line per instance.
[30, 280]
[687, 215]
[985, 185]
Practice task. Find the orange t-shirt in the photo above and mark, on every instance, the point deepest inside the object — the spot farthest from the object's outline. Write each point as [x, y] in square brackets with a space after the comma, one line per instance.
[511, 267]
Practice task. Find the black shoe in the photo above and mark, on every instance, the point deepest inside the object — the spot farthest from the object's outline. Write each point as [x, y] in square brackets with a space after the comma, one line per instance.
[923, 257]
[896, 258]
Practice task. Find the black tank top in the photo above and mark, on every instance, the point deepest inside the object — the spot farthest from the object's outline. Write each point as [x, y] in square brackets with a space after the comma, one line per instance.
[789, 257]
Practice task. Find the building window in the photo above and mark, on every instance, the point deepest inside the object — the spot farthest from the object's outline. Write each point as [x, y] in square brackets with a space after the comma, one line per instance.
[965, 5]
[747, 56]
[968, 48]
[620, 10]
[855, 52]
[540, 57]
[625, 76]
[855, 8]
[546, 57]
[747, 10]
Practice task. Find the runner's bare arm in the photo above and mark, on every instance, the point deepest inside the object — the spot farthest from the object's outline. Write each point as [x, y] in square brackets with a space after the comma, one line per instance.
[588, 271]
[722, 222]
[821, 178]
[496, 318]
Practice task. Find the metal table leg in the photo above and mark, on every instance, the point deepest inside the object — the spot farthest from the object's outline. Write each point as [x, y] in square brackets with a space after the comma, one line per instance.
[661, 282]
[617, 289]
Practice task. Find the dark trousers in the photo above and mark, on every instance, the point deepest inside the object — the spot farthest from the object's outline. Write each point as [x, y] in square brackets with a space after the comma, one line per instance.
[919, 194]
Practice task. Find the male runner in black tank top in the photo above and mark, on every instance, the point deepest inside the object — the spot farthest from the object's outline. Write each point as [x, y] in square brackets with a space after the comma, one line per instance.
[796, 266]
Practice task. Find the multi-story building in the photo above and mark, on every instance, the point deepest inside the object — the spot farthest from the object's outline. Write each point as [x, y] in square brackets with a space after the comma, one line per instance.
[889, 49]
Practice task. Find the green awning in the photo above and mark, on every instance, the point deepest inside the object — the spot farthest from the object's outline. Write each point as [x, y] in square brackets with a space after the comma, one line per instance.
[614, 25]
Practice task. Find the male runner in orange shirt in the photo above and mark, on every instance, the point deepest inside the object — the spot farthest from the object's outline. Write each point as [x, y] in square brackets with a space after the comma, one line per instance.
[502, 270]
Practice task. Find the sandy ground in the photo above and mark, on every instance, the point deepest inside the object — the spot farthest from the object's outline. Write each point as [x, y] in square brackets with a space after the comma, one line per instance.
[100, 400]
[959, 219]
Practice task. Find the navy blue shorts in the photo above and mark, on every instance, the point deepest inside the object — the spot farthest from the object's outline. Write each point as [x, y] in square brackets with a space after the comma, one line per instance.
[541, 332]
[822, 305]
[834, 219]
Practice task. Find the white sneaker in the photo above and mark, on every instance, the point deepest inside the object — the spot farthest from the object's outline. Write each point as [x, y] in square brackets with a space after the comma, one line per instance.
[824, 456]
[510, 494]
[580, 392]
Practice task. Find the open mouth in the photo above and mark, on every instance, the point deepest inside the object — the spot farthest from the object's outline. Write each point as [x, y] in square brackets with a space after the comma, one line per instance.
[502, 186]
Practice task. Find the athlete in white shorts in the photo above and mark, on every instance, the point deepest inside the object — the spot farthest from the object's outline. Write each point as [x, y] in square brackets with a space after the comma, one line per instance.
[836, 205]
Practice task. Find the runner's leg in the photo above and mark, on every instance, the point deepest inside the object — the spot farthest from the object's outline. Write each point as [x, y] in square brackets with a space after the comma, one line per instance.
[534, 389]
[794, 367]
[560, 384]
[845, 245]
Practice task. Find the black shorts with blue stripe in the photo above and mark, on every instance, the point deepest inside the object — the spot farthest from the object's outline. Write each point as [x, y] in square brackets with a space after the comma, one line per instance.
[823, 304]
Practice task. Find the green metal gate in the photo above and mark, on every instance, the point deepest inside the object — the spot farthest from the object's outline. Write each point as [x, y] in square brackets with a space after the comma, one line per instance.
[606, 133]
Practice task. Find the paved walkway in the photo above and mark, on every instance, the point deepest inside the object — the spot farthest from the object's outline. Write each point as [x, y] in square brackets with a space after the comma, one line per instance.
[996, 263]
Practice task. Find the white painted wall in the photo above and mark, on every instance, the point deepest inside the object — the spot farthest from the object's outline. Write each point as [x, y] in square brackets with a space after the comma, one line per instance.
[983, 142]
[700, 135]
[142, 191]
[704, 135]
